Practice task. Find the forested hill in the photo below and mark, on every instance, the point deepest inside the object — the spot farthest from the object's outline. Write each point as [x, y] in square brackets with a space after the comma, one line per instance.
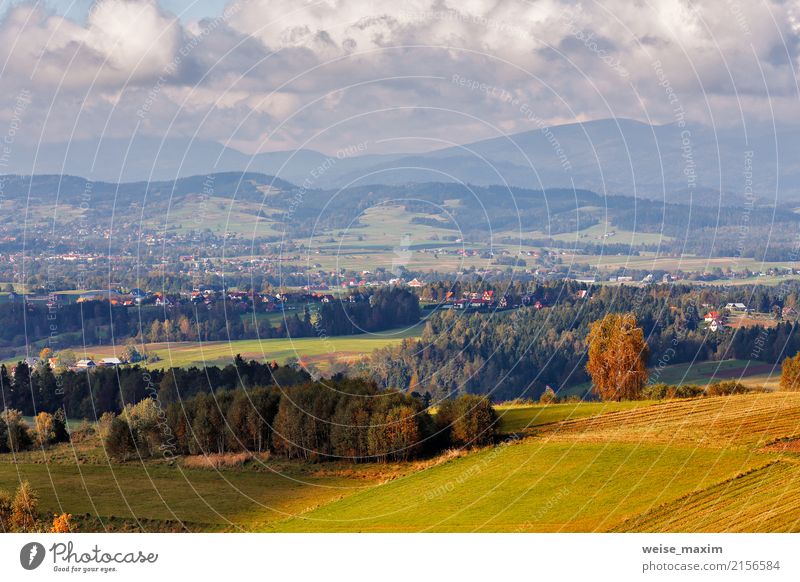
[518, 353]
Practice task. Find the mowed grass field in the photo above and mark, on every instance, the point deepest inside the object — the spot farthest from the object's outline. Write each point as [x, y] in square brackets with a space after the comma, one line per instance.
[708, 464]
[619, 470]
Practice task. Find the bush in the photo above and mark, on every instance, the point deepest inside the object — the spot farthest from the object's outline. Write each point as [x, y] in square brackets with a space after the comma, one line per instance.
[726, 389]
[62, 524]
[669, 391]
[119, 443]
[5, 511]
[549, 396]
[104, 424]
[84, 431]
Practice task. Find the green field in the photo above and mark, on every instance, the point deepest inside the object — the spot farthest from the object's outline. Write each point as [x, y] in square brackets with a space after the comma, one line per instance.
[531, 486]
[707, 464]
[514, 419]
[751, 373]
[320, 351]
[198, 498]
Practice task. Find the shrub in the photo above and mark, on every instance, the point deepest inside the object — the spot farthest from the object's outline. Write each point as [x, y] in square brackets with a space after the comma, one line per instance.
[549, 396]
[726, 389]
[62, 524]
[143, 421]
[104, 424]
[119, 443]
[84, 431]
[5, 511]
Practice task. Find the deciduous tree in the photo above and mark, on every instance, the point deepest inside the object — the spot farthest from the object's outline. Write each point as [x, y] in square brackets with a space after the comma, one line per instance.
[617, 357]
[790, 373]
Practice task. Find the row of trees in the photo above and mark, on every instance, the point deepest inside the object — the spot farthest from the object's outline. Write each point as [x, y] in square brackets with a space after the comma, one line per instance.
[345, 419]
[88, 395]
[92, 321]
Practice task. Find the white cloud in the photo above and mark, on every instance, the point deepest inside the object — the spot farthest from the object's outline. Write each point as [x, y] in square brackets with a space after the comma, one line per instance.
[383, 69]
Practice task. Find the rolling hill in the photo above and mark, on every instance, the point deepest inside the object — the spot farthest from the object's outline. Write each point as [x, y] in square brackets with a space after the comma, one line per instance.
[712, 464]
[610, 156]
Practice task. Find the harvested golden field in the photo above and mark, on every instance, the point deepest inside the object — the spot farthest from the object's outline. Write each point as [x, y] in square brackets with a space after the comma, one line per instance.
[763, 500]
[749, 420]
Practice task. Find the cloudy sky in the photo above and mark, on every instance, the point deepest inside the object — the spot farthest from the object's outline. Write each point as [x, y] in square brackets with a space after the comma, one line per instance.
[415, 75]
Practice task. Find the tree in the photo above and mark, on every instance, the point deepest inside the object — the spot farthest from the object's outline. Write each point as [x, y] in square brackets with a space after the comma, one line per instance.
[131, 352]
[43, 425]
[617, 357]
[119, 443]
[790, 373]
[60, 432]
[155, 331]
[24, 509]
[45, 354]
[66, 359]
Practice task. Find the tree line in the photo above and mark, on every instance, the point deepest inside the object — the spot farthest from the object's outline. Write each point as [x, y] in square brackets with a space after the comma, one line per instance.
[88, 394]
[343, 419]
[91, 322]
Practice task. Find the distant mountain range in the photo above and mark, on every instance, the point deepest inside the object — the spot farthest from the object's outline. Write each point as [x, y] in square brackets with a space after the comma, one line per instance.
[694, 164]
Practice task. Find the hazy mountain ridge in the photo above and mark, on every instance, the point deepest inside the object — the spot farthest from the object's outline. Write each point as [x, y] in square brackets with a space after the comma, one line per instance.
[693, 164]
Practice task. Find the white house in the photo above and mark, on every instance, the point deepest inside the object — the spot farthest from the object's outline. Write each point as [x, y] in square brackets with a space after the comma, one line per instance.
[85, 364]
[110, 362]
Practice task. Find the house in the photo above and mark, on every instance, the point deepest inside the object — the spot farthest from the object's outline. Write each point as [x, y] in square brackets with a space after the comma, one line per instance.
[85, 364]
[736, 306]
[711, 316]
[789, 313]
[110, 362]
[415, 283]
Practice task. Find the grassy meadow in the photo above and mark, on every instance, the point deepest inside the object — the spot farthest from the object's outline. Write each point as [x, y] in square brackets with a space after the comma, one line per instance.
[706, 464]
[318, 351]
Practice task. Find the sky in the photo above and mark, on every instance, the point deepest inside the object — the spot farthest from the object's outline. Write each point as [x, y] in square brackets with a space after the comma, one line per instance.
[416, 75]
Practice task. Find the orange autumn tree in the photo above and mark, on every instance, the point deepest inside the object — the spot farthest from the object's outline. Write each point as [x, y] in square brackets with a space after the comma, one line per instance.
[617, 357]
[790, 373]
